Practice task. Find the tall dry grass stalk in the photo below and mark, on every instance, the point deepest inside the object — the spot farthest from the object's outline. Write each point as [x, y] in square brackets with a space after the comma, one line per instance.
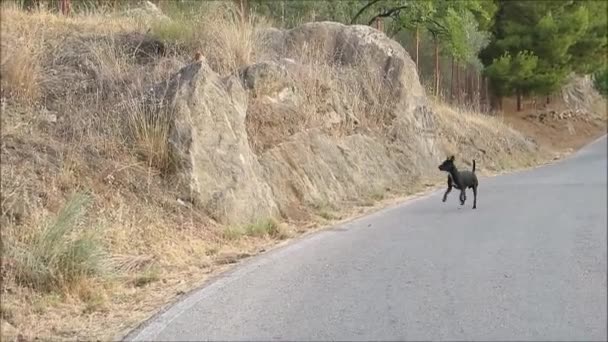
[20, 62]
[150, 131]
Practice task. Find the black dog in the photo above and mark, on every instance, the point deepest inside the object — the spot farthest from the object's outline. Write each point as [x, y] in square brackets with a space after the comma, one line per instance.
[460, 180]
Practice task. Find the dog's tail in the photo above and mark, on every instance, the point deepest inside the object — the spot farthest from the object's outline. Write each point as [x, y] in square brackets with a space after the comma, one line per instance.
[473, 165]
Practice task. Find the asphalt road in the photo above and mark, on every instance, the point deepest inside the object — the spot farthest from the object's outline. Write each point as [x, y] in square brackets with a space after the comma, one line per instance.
[528, 264]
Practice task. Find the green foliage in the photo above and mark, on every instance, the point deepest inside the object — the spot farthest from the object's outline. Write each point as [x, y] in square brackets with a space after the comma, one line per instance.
[61, 253]
[260, 228]
[513, 73]
[175, 32]
[288, 14]
[463, 40]
[559, 35]
[600, 81]
[589, 53]
[149, 275]
[455, 24]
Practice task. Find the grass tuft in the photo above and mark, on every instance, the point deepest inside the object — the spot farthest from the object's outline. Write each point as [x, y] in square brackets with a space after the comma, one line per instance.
[61, 253]
[262, 228]
[149, 275]
[150, 132]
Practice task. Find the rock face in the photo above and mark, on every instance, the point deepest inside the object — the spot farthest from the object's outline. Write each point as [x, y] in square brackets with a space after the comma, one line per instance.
[369, 52]
[236, 180]
[218, 168]
[313, 167]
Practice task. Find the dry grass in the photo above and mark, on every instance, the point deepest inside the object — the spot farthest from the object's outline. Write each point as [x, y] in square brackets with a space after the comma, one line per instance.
[20, 69]
[218, 30]
[149, 130]
[267, 228]
[493, 144]
[335, 99]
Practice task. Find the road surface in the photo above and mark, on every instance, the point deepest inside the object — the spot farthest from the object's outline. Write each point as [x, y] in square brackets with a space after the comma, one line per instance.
[528, 264]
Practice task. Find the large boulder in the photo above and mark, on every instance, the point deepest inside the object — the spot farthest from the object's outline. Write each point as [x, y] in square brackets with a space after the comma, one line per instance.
[370, 50]
[372, 54]
[217, 168]
[313, 166]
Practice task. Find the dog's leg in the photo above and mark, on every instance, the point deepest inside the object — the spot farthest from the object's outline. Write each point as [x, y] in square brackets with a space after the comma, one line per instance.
[445, 195]
[463, 196]
[474, 197]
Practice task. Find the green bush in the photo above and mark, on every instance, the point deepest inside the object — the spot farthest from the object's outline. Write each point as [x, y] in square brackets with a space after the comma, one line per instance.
[600, 81]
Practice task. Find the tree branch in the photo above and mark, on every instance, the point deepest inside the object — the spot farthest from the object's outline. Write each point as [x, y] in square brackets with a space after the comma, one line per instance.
[438, 30]
[387, 13]
[369, 4]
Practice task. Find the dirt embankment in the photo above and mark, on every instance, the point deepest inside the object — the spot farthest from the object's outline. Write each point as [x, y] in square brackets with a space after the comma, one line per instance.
[130, 170]
[571, 118]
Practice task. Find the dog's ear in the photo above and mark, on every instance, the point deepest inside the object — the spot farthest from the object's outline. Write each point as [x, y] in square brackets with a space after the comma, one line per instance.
[451, 158]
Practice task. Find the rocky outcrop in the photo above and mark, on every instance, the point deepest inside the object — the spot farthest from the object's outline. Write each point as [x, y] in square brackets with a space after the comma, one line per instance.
[216, 167]
[217, 125]
[316, 167]
[370, 53]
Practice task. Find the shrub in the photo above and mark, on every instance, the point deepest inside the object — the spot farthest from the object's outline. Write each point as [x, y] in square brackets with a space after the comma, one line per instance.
[61, 253]
[600, 81]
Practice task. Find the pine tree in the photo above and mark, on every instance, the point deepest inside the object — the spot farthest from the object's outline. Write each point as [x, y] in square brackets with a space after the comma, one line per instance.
[536, 41]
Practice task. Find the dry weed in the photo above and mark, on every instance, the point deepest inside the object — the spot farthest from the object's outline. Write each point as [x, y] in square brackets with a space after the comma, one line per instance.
[20, 65]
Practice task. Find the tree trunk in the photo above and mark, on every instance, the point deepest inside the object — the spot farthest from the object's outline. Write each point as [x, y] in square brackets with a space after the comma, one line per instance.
[469, 74]
[417, 45]
[478, 91]
[486, 95]
[436, 67]
[452, 82]
[458, 85]
[282, 13]
[482, 94]
[519, 107]
[467, 90]
[495, 102]
[65, 7]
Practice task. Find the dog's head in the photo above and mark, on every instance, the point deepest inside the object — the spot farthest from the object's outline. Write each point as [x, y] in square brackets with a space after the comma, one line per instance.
[447, 165]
